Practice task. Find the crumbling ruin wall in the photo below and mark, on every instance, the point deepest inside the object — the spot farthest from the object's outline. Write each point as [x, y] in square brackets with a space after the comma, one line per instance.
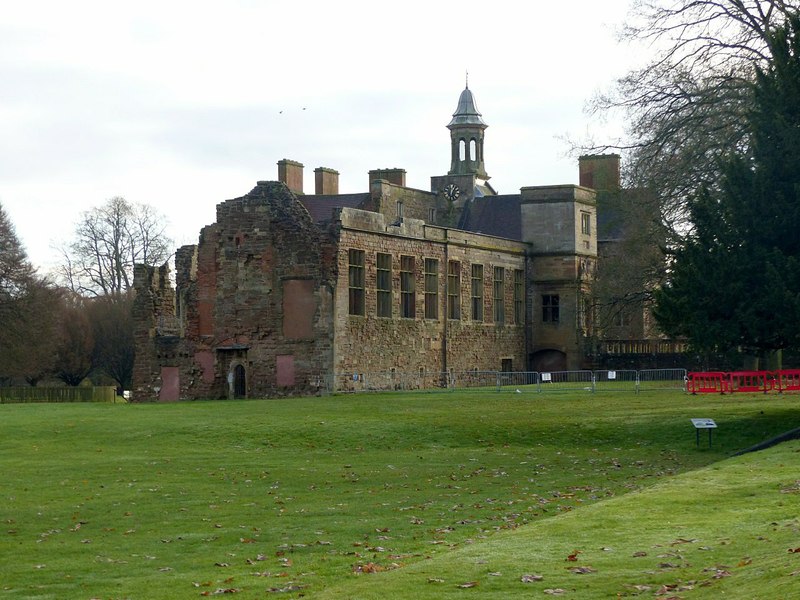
[253, 306]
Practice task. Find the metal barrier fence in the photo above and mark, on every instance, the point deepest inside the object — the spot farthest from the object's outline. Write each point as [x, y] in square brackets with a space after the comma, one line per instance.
[728, 382]
[517, 381]
[662, 379]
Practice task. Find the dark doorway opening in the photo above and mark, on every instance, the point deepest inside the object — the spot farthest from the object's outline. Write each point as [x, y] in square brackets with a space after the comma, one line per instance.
[239, 382]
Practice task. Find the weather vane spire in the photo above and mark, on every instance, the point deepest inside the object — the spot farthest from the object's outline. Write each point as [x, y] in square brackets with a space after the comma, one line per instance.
[467, 78]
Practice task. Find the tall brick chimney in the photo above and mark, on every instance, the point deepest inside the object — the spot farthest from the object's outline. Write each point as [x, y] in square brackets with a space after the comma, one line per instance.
[290, 172]
[394, 176]
[599, 171]
[326, 181]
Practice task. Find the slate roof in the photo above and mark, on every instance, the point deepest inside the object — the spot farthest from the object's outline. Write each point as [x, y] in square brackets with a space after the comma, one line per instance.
[321, 207]
[494, 215]
[466, 111]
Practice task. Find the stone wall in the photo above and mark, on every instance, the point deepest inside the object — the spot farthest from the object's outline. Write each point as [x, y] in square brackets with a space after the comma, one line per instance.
[370, 343]
[416, 204]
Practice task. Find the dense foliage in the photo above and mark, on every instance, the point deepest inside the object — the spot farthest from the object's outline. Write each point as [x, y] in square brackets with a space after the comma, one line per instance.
[735, 281]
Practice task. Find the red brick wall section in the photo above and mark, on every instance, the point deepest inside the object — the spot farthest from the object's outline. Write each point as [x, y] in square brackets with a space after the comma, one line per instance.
[285, 366]
[170, 384]
[299, 308]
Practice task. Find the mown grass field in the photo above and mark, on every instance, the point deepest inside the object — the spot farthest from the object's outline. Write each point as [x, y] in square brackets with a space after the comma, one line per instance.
[401, 495]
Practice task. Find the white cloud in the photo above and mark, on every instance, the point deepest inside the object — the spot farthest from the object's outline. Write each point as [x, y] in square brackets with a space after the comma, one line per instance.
[185, 104]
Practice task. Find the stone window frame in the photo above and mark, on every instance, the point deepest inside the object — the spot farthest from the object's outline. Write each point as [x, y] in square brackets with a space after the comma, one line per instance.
[551, 311]
[383, 285]
[430, 267]
[356, 263]
[408, 297]
[454, 290]
[498, 295]
[476, 291]
[519, 296]
[586, 223]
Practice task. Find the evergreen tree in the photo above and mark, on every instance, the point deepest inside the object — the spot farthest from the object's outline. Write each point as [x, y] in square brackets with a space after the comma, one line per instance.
[736, 280]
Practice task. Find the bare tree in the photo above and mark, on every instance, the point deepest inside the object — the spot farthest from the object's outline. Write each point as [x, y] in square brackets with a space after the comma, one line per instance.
[685, 108]
[109, 240]
[112, 330]
[74, 344]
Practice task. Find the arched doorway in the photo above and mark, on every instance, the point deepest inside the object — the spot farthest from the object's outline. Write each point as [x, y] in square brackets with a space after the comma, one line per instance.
[549, 360]
[239, 382]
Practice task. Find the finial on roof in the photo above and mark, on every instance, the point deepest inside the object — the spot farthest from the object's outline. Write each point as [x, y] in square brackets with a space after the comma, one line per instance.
[467, 86]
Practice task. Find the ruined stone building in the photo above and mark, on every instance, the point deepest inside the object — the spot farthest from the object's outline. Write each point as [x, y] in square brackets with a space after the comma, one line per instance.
[290, 291]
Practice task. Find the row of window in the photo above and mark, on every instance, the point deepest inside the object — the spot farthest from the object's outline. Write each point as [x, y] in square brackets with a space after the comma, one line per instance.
[430, 271]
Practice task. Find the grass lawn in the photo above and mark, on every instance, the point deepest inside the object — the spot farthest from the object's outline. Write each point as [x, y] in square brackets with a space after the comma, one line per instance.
[401, 495]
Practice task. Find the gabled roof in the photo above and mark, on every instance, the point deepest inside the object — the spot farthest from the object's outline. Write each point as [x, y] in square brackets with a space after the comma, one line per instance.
[494, 215]
[321, 207]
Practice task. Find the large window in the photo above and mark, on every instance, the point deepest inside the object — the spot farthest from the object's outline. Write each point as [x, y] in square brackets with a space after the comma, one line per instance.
[431, 288]
[477, 292]
[498, 293]
[519, 296]
[356, 270]
[586, 224]
[383, 283]
[550, 311]
[407, 293]
[453, 290]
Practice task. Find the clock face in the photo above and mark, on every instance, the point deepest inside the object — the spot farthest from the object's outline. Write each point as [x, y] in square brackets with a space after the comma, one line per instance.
[451, 191]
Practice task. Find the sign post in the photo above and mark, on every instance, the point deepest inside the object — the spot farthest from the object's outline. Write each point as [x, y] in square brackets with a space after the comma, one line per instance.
[703, 424]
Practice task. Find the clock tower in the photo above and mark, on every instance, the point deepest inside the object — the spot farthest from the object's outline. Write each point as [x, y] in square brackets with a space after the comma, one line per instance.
[466, 138]
[467, 178]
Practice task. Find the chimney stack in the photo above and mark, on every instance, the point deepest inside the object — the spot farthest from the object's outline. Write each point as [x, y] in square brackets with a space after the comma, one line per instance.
[599, 172]
[393, 176]
[326, 181]
[290, 172]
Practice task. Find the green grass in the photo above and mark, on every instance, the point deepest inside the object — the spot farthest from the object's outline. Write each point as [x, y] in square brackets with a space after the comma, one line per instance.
[301, 496]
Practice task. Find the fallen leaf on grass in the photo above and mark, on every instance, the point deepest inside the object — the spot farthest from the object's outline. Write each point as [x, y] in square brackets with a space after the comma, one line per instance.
[639, 554]
[582, 570]
[721, 574]
[294, 587]
[573, 557]
[745, 561]
[367, 568]
[435, 580]
[682, 541]
[794, 550]
[530, 578]
[468, 584]
[555, 591]
[220, 591]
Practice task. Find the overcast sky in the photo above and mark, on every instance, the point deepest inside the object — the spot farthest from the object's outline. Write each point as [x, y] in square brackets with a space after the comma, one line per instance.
[183, 105]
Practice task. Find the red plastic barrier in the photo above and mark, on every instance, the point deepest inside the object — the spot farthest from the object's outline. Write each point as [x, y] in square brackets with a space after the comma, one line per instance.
[788, 380]
[708, 382]
[751, 381]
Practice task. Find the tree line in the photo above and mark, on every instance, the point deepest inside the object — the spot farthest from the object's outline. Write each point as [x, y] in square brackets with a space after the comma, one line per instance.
[712, 147]
[76, 323]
